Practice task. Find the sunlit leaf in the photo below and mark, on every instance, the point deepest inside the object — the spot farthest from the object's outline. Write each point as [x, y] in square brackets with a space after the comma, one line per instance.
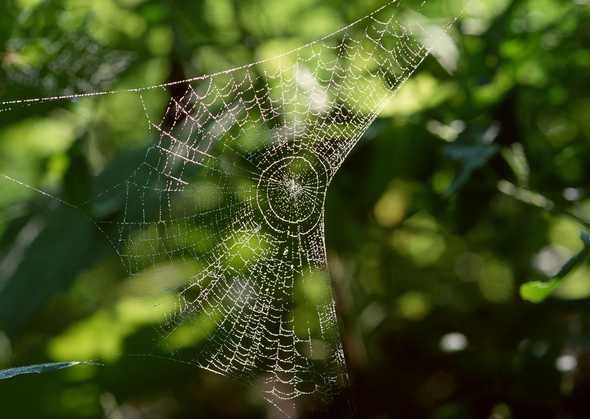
[537, 291]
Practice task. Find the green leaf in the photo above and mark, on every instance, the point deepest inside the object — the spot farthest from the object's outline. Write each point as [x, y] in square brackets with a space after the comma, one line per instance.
[538, 291]
[67, 235]
[41, 368]
[473, 152]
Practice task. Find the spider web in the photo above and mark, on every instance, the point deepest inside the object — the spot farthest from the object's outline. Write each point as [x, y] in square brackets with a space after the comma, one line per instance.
[235, 183]
[69, 62]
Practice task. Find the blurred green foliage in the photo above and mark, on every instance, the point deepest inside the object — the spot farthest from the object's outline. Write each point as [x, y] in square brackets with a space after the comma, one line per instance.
[468, 185]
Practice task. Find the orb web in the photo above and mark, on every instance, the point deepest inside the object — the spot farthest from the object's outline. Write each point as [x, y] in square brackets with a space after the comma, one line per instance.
[235, 183]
